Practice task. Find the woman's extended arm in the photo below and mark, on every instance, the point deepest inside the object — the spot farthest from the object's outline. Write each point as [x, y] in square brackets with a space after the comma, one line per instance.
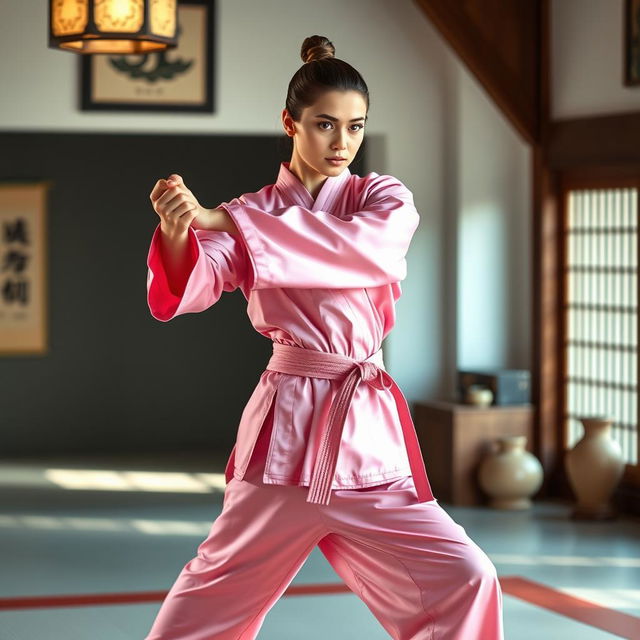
[178, 209]
[215, 220]
[189, 264]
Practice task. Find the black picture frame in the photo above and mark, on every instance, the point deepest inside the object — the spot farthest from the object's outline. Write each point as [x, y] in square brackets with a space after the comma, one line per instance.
[94, 66]
[632, 43]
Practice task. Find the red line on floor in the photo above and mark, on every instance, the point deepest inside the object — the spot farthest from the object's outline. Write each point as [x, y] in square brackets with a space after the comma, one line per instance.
[38, 602]
[616, 622]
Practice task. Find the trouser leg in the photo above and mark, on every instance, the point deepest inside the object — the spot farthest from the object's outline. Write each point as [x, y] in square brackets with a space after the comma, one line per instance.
[253, 551]
[415, 568]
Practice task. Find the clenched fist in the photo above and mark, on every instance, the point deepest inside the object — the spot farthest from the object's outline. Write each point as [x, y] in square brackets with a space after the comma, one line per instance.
[176, 205]
[178, 209]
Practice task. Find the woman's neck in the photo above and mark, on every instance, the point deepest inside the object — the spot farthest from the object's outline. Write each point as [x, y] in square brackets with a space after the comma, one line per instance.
[310, 178]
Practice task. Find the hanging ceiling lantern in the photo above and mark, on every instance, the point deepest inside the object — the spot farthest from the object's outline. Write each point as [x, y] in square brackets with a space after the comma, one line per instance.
[112, 26]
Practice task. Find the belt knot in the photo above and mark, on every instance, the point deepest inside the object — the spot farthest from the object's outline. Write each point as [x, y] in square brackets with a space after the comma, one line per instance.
[371, 373]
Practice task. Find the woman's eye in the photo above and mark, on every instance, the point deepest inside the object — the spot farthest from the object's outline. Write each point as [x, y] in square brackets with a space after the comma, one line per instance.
[360, 126]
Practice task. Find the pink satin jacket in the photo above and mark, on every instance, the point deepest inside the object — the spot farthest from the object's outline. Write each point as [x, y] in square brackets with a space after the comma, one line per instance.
[320, 274]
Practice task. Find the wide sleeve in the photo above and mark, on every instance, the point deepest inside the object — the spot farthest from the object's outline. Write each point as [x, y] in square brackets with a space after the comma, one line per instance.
[218, 262]
[297, 247]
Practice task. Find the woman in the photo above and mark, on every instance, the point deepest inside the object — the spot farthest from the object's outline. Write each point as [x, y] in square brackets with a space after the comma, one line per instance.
[326, 453]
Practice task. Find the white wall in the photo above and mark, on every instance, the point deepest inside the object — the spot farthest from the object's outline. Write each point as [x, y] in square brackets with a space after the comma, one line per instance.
[494, 236]
[466, 297]
[587, 40]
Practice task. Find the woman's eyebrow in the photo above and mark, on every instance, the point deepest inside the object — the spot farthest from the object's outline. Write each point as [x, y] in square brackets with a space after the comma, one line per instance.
[328, 117]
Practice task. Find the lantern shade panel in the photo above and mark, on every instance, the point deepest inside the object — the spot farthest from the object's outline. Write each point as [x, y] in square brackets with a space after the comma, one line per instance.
[163, 18]
[121, 16]
[69, 17]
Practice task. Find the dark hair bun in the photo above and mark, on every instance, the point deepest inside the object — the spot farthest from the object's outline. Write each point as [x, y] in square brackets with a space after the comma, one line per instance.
[316, 48]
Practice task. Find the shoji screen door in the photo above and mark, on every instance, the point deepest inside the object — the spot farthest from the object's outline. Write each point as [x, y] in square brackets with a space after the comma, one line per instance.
[601, 313]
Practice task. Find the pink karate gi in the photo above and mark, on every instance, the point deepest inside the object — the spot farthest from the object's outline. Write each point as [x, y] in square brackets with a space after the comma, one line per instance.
[382, 531]
[322, 275]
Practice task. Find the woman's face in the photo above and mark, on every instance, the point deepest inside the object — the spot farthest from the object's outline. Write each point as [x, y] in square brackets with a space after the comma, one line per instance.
[333, 126]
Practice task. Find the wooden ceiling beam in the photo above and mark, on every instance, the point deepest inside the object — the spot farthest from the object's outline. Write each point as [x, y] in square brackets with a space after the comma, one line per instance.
[499, 42]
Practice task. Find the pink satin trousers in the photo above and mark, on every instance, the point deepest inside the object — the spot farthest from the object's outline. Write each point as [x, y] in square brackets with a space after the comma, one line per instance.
[416, 569]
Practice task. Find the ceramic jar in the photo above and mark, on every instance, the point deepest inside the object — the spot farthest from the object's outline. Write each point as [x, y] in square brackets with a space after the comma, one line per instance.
[594, 467]
[478, 395]
[510, 475]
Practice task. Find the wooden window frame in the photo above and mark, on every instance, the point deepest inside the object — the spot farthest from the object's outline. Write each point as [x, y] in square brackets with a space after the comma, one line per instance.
[549, 290]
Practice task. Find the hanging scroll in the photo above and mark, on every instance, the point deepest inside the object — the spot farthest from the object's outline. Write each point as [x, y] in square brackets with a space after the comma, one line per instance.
[23, 324]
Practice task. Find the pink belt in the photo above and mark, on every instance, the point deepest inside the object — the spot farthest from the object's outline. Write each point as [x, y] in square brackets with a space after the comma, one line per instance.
[333, 366]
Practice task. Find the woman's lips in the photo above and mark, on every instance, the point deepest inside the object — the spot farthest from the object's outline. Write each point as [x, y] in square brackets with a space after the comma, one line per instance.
[336, 162]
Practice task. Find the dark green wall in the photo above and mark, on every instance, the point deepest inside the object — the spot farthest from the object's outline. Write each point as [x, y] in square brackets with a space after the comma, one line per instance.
[115, 379]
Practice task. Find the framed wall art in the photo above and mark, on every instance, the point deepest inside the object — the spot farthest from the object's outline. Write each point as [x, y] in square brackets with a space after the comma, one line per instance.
[632, 42]
[23, 260]
[178, 79]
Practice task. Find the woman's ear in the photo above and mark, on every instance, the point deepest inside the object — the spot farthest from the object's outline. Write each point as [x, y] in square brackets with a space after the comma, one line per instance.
[287, 123]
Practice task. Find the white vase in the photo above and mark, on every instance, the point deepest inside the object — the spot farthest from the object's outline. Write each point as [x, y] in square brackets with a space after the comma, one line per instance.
[511, 474]
[594, 467]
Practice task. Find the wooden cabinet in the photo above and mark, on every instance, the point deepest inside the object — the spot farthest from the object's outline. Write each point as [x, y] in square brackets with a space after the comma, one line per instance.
[454, 439]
